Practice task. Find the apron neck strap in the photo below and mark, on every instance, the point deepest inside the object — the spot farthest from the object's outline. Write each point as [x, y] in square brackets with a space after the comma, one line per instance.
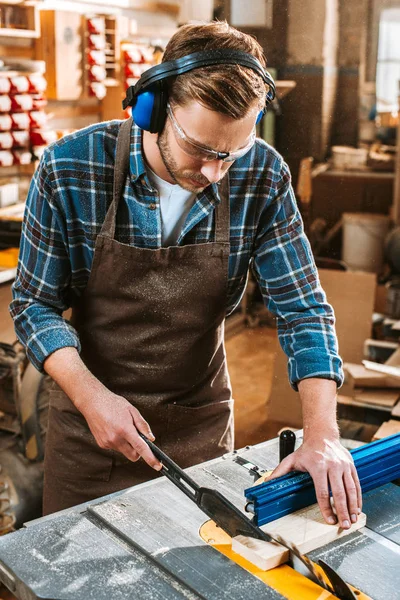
[222, 216]
[121, 171]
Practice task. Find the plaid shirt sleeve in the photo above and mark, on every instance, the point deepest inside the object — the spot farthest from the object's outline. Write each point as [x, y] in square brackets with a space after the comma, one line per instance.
[43, 275]
[288, 279]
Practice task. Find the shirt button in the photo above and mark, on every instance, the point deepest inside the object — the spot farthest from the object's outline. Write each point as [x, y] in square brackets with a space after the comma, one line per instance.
[152, 206]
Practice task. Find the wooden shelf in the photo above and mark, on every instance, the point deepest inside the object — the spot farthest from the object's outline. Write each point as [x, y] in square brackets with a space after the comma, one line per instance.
[32, 20]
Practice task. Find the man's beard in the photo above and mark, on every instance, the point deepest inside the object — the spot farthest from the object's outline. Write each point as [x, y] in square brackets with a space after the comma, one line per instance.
[179, 176]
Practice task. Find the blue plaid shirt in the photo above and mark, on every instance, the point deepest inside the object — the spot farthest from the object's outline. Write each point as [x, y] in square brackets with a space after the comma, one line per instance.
[65, 209]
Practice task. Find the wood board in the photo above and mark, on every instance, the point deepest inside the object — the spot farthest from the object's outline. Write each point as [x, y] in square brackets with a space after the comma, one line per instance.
[358, 376]
[385, 397]
[387, 428]
[306, 528]
[349, 401]
[393, 372]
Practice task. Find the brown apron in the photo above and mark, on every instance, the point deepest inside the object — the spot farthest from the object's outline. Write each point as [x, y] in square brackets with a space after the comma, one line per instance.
[151, 326]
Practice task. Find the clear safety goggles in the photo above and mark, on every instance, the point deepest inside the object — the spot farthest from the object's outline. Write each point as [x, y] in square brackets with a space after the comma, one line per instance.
[200, 152]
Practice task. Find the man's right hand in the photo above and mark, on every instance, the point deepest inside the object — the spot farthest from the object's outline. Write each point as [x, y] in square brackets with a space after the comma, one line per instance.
[115, 423]
[112, 420]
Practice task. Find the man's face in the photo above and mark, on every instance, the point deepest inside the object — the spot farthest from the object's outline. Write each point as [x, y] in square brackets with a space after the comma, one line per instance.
[207, 129]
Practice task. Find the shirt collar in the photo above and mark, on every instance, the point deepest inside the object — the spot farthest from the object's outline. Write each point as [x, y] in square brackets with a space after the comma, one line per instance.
[138, 168]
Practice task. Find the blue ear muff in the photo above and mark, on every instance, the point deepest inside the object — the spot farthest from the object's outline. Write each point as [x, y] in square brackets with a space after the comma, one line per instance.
[143, 109]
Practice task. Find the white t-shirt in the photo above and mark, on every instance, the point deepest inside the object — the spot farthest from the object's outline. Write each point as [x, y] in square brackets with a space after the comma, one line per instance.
[175, 204]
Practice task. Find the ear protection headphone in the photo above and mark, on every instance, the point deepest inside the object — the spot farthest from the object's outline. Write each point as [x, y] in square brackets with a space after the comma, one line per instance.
[149, 96]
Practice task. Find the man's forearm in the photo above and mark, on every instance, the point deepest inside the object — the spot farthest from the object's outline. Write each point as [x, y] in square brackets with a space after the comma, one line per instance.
[318, 399]
[67, 369]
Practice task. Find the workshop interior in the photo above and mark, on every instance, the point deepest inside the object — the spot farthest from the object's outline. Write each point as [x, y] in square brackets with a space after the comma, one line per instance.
[219, 528]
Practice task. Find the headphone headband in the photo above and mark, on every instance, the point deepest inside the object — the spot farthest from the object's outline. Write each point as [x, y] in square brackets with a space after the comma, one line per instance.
[196, 60]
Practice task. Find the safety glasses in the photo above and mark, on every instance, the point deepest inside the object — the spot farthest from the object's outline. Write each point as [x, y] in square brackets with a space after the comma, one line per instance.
[200, 152]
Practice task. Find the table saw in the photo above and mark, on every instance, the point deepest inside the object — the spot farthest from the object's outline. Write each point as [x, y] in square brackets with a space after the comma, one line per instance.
[145, 542]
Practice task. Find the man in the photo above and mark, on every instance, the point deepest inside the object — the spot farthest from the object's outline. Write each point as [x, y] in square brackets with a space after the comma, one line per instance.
[152, 267]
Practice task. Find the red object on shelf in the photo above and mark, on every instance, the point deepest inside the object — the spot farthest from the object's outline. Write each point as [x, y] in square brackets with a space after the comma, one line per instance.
[19, 84]
[97, 41]
[39, 102]
[40, 137]
[97, 73]
[38, 119]
[96, 25]
[96, 57]
[37, 83]
[133, 55]
[5, 104]
[148, 55]
[5, 85]
[6, 158]
[98, 89]
[20, 120]
[5, 122]
[22, 157]
[20, 139]
[21, 102]
[134, 70]
[6, 140]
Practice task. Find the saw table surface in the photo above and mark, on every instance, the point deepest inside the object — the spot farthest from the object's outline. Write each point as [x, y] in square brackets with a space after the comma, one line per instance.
[144, 543]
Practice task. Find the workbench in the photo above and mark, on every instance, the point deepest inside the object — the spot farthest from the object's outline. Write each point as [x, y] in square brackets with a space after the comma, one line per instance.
[144, 542]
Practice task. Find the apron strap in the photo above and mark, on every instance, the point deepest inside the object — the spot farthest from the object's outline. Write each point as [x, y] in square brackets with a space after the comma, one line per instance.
[222, 212]
[121, 171]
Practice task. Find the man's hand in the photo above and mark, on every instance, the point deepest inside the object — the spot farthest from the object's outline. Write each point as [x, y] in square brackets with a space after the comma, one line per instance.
[115, 423]
[112, 420]
[329, 464]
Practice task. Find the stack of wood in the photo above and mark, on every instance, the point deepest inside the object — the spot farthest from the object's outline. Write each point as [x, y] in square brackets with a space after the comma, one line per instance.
[375, 387]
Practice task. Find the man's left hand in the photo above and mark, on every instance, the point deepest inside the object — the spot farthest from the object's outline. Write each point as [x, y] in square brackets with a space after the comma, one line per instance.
[330, 465]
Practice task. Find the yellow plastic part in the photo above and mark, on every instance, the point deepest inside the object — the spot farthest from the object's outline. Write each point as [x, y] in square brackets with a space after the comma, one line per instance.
[9, 258]
[285, 580]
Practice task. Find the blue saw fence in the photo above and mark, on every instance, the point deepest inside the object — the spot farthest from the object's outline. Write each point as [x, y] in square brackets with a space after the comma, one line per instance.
[377, 463]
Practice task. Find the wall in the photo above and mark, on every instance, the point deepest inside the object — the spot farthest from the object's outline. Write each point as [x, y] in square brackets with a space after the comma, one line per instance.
[312, 38]
[353, 26]
[274, 40]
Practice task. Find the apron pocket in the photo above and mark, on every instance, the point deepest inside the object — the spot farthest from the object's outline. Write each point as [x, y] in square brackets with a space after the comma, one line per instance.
[71, 450]
[199, 433]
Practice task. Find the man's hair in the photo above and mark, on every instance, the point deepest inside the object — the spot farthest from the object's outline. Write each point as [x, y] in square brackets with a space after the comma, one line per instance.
[228, 89]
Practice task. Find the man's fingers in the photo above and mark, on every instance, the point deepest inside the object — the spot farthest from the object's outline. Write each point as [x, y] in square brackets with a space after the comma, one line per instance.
[141, 424]
[284, 467]
[144, 451]
[340, 499]
[323, 498]
[127, 450]
[352, 498]
[358, 487]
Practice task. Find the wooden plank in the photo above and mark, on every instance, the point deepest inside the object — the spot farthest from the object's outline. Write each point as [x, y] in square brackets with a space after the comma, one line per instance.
[359, 376]
[378, 397]
[393, 372]
[349, 401]
[306, 528]
[387, 428]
